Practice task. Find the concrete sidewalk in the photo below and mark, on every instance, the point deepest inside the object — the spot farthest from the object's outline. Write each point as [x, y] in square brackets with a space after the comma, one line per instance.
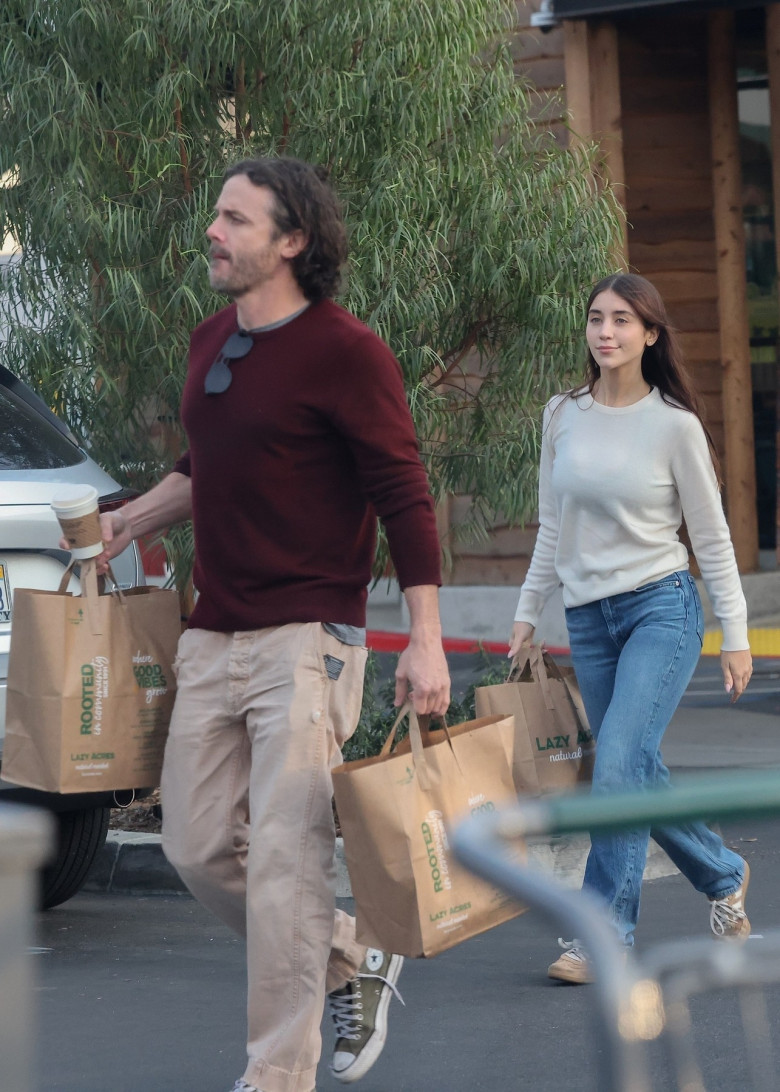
[134, 863]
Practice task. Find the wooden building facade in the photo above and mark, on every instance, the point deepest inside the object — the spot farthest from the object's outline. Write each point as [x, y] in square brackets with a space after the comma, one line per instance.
[679, 98]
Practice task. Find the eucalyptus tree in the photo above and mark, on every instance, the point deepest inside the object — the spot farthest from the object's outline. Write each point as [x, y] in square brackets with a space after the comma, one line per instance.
[473, 233]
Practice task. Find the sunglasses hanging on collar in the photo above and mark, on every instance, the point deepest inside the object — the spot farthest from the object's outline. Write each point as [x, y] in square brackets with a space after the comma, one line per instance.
[219, 376]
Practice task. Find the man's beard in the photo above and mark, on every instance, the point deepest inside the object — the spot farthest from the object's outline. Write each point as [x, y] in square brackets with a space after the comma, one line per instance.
[227, 288]
[242, 274]
[229, 282]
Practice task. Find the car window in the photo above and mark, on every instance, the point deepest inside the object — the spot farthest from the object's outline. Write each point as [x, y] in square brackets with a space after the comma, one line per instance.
[28, 441]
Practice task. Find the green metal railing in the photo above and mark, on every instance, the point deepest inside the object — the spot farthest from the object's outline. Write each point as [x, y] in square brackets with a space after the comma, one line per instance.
[484, 845]
[725, 796]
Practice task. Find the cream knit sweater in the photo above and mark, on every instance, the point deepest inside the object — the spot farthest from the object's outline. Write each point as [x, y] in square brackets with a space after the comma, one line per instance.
[614, 486]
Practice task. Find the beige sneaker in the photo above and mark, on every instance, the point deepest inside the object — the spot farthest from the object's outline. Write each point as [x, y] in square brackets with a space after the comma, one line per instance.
[572, 966]
[728, 920]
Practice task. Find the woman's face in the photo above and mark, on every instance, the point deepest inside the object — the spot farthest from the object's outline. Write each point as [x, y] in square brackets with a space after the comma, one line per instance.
[616, 334]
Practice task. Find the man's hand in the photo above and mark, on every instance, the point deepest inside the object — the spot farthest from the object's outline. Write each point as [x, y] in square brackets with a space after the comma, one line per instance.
[167, 503]
[737, 667]
[422, 674]
[116, 533]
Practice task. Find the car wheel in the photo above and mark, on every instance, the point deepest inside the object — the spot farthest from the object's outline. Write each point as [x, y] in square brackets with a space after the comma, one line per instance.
[80, 837]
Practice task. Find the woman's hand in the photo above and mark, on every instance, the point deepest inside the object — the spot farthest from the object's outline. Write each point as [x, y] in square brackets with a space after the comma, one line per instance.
[737, 667]
[522, 634]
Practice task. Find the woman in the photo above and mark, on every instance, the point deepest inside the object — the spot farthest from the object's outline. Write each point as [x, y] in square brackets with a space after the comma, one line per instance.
[625, 458]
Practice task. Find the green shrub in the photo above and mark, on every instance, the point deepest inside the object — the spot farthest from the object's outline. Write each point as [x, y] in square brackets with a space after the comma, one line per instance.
[378, 713]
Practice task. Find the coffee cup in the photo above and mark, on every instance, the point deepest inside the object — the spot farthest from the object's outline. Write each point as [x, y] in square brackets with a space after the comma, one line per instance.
[76, 507]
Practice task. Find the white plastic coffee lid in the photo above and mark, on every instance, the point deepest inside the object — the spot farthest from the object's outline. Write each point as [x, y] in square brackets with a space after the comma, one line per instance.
[74, 496]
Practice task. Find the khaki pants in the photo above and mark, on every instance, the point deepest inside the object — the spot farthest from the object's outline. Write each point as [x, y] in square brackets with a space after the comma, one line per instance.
[248, 823]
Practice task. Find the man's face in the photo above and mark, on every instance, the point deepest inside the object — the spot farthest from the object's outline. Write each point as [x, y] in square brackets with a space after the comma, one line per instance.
[247, 249]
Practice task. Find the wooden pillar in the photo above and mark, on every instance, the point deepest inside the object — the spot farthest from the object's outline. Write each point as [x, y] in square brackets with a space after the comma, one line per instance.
[736, 386]
[592, 74]
[576, 61]
[605, 101]
[773, 62]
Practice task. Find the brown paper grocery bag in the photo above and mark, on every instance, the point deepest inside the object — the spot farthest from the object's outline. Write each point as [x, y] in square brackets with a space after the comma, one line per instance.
[554, 748]
[395, 811]
[90, 687]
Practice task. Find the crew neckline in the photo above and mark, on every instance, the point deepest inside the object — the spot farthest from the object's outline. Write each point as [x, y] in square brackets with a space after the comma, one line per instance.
[633, 408]
[276, 325]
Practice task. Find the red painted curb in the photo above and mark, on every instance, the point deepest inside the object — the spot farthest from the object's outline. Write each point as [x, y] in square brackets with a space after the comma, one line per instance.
[381, 641]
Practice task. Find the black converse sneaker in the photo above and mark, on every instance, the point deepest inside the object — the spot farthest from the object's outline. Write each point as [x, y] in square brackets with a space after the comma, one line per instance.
[359, 1011]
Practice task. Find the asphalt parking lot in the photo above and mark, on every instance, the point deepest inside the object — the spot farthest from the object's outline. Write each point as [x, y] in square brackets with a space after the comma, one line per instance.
[138, 992]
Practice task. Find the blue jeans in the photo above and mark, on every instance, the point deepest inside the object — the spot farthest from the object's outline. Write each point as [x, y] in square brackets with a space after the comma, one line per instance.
[634, 655]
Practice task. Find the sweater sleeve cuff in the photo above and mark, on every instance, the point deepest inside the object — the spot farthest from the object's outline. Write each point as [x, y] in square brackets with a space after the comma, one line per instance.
[182, 465]
[735, 637]
[529, 609]
[420, 574]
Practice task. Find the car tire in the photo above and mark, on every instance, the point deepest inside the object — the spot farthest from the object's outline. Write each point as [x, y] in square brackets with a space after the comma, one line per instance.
[80, 837]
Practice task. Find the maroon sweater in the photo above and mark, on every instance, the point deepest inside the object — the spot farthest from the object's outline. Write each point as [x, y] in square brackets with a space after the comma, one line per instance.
[290, 467]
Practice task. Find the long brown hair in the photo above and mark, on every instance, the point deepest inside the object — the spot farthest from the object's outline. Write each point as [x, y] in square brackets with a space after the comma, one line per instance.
[662, 362]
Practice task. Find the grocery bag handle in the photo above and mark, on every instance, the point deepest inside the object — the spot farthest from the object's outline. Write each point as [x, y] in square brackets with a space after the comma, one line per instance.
[116, 590]
[88, 568]
[533, 660]
[543, 667]
[535, 656]
[526, 659]
[407, 710]
[518, 664]
[89, 591]
[66, 577]
[417, 726]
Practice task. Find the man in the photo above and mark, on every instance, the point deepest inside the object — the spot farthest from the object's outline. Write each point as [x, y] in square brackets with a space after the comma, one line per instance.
[299, 436]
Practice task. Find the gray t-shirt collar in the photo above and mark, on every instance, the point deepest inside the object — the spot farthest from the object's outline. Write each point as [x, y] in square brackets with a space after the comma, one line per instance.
[275, 325]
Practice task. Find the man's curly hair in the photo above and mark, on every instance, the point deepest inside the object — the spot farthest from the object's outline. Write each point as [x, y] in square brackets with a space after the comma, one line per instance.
[304, 202]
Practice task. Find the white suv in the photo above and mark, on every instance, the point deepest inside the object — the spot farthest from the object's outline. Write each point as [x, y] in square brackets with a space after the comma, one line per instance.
[37, 454]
